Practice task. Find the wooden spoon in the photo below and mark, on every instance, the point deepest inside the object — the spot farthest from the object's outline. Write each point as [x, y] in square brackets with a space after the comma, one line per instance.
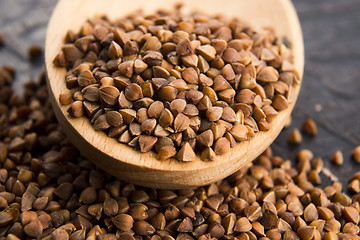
[143, 168]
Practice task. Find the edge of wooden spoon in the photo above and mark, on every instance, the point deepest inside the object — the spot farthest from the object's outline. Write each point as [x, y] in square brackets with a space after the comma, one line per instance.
[143, 168]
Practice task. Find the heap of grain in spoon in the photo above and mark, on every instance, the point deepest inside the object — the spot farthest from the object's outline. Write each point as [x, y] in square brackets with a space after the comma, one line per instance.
[176, 83]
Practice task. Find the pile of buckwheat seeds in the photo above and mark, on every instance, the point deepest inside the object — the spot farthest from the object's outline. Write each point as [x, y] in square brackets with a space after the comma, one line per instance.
[174, 83]
[49, 191]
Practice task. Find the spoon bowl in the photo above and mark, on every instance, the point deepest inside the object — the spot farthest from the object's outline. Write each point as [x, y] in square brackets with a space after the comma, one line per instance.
[144, 169]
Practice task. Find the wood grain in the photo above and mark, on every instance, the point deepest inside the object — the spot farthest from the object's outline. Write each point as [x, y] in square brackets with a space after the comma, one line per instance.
[143, 168]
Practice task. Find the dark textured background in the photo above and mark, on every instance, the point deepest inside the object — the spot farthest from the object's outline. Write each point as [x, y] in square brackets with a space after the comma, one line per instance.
[331, 87]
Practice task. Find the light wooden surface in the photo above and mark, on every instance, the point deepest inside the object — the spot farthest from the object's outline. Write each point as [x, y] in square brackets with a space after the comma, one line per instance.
[143, 168]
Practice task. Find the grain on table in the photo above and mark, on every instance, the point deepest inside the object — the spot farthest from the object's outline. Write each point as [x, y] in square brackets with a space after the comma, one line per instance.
[49, 191]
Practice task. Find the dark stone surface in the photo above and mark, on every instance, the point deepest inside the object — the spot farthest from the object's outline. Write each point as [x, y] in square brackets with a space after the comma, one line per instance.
[330, 92]
[331, 87]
